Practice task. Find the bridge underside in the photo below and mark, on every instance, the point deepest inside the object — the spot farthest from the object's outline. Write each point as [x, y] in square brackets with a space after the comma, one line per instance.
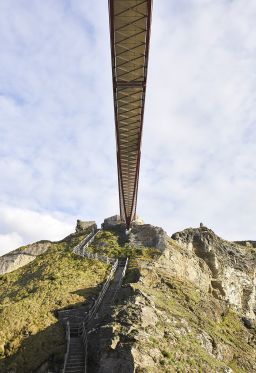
[129, 33]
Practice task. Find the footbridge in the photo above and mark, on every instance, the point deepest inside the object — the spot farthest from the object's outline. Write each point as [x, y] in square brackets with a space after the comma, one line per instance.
[130, 22]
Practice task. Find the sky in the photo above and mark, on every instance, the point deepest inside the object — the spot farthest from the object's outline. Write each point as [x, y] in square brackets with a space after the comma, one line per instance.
[57, 148]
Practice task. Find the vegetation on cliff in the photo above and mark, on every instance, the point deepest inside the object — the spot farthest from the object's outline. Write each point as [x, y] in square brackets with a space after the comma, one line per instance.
[113, 243]
[30, 296]
[170, 316]
[194, 332]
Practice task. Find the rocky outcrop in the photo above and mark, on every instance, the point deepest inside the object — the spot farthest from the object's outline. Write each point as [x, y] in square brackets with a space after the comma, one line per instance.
[230, 272]
[115, 221]
[22, 256]
[185, 265]
[247, 243]
[112, 222]
[165, 325]
[83, 225]
[148, 235]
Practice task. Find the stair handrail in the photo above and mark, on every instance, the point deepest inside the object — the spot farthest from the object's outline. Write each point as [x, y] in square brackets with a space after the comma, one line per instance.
[83, 329]
[80, 249]
[84, 242]
[85, 343]
[91, 239]
[121, 279]
[68, 345]
[97, 302]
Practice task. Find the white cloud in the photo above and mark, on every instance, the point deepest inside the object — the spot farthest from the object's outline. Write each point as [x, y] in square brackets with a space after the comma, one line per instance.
[198, 150]
[57, 151]
[9, 242]
[27, 226]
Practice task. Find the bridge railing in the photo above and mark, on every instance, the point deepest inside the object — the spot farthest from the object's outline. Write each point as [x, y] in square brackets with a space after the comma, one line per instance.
[68, 345]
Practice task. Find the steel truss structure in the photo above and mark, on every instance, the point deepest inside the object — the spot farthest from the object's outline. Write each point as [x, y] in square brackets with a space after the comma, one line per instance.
[130, 22]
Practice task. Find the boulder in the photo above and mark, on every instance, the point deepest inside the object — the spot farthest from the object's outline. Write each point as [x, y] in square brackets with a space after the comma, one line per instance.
[148, 235]
[112, 221]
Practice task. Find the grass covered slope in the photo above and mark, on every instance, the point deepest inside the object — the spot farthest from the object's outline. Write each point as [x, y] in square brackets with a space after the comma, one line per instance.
[30, 296]
[113, 243]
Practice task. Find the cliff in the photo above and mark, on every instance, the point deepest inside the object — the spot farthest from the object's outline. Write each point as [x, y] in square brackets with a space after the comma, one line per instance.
[187, 304]
[190, 309]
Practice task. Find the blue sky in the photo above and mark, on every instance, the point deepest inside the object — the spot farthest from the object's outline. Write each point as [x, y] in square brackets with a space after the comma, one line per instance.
[57, 152]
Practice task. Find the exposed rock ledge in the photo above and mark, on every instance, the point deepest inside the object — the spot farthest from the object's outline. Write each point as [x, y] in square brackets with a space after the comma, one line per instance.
[22, 256]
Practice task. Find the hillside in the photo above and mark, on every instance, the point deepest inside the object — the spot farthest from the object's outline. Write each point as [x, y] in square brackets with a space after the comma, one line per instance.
[30, 297]
[190, 309]
[187, 304]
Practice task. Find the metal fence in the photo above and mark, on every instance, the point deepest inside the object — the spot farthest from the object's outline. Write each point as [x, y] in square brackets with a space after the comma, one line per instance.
[81, 249]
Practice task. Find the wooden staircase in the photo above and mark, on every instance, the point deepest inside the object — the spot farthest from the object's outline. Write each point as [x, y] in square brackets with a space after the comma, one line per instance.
[76, 356]
[80, 322]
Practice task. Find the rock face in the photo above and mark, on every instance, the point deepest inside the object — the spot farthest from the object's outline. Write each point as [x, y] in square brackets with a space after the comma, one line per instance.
[231, 268]
[115, 220]
[248, 243]
[83, 225]
[148, 235]
[22, 256]
[165, 325]
[112, 222]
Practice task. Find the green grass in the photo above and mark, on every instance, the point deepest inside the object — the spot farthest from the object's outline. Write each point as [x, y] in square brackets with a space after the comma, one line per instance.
[110, 243]
[30, 296]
